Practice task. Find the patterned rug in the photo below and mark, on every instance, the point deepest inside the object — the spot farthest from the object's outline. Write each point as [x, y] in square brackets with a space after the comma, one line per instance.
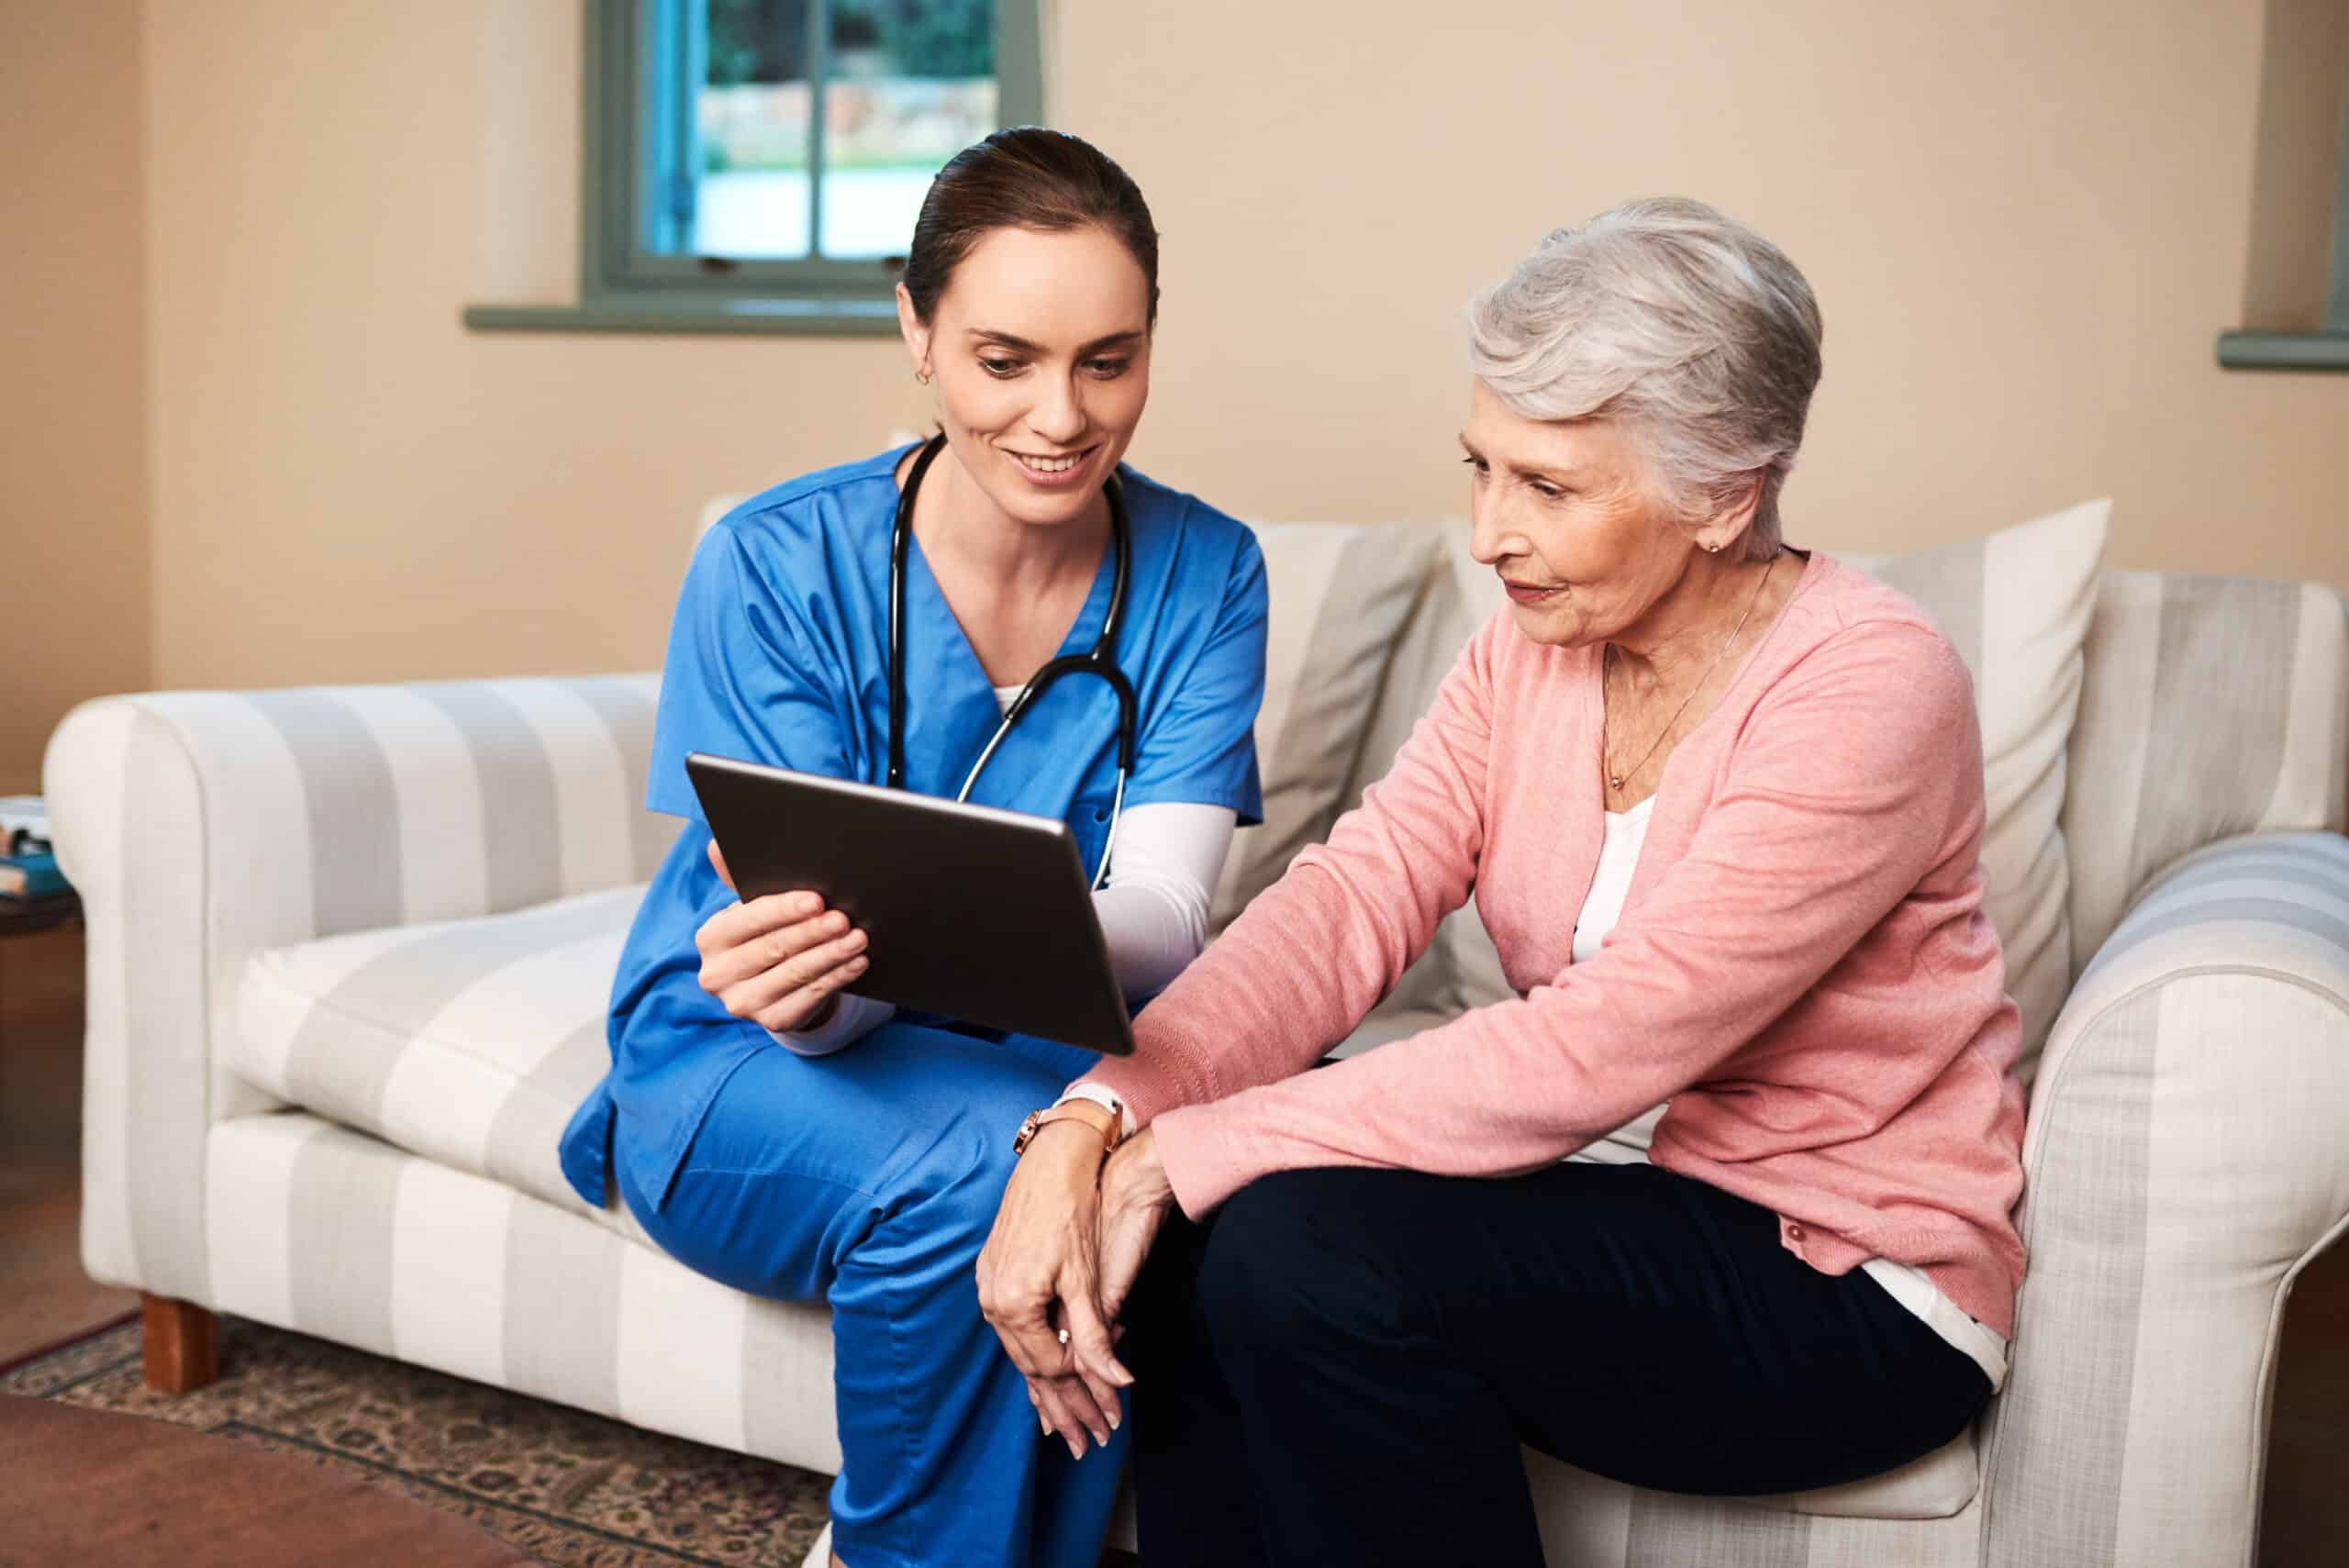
[574, 1490]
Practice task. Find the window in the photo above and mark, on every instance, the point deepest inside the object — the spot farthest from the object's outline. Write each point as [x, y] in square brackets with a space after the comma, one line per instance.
[757, 165]
[2328, 347]
[2296, 304]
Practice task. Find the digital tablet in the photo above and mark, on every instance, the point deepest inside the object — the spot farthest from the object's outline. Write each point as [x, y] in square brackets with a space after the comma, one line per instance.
[973, 913]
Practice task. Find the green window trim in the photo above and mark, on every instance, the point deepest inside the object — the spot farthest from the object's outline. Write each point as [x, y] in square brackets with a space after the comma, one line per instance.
[2325, 350]
[626, 287]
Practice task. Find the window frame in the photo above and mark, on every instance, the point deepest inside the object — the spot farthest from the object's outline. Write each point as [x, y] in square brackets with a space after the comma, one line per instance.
[624, 285]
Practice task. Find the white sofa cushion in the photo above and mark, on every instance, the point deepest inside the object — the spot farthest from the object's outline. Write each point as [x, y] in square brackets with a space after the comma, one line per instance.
[467, 1041]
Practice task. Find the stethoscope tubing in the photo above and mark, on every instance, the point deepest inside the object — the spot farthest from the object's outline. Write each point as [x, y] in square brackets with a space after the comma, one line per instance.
[1100, 660]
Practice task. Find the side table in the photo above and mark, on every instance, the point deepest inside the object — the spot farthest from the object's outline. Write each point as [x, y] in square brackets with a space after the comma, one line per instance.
[25, 917]
[21, 915]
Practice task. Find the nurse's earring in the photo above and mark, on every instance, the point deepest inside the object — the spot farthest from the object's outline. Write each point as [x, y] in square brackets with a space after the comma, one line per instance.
[922, 377]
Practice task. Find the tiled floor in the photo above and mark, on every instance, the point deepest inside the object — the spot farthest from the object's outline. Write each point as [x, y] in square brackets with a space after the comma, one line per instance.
[44, 1295]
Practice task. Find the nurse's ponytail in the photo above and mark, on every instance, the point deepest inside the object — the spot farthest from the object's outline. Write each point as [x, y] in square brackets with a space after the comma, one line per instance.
[1025, 178]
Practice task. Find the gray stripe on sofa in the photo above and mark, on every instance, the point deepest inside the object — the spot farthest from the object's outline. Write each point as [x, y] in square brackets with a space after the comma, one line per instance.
[343, 1204]
[2063, 1426]
[562, 1307]
[2207, 744]
[520, 1149]
[521, 832]
[355, 877]
[2274, 865]
[627, 705]
[2264, 911]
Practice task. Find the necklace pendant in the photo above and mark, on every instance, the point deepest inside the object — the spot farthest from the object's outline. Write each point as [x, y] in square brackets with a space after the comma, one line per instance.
[1613, 782]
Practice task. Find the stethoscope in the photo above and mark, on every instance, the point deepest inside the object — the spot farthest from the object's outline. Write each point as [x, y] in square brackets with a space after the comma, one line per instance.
[1100, 660]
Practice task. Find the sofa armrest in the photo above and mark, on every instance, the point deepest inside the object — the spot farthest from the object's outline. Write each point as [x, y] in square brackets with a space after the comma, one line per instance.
[202, 827]
[2187, 1153]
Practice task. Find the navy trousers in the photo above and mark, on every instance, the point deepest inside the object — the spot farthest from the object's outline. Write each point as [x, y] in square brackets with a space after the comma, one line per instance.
[1341, 1364]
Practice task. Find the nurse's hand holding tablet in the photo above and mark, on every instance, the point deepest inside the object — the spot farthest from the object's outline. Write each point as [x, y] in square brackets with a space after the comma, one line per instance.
[777, 961]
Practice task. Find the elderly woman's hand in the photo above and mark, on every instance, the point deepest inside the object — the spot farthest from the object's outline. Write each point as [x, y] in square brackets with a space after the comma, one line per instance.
[1035, 1285]
[1135, 1200]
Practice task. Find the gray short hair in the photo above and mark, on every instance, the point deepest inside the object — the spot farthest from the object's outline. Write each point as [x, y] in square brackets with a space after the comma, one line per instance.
[1697, 332]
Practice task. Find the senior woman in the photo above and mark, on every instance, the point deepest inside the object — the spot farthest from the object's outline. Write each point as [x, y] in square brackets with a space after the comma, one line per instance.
[1720, 803]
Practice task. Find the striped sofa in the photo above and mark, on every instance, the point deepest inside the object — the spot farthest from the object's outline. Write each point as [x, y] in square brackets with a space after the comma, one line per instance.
[349, 952]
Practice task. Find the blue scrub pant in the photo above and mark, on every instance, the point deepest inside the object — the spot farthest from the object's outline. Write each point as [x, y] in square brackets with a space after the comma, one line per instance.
[870, 1179]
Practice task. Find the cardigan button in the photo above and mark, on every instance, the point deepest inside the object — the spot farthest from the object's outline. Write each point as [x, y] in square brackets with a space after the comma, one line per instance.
[1794, 1232]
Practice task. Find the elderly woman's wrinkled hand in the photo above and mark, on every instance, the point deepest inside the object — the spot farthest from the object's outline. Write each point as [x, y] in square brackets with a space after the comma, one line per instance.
[1037, 1287]
[1136, 1197]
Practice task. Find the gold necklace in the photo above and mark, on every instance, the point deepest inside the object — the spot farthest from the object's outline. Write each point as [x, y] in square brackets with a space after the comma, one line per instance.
[1614, 779]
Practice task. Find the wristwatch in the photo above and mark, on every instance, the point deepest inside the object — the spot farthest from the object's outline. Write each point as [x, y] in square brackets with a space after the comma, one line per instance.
[1109, 1122]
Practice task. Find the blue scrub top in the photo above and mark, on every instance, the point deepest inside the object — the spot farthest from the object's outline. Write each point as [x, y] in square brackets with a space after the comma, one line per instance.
[780, 654]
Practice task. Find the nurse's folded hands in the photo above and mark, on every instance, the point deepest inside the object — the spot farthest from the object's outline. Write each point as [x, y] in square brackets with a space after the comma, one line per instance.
[777, 961]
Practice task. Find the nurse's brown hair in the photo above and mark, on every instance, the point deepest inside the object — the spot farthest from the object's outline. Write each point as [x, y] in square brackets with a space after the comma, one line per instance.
[1025, 178]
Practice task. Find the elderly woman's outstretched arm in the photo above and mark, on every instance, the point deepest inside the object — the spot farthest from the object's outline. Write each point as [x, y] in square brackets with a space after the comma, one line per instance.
[1320, 948]
[1856, 776]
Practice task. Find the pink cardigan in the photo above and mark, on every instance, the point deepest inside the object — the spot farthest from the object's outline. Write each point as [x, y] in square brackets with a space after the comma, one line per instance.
[1802, 966]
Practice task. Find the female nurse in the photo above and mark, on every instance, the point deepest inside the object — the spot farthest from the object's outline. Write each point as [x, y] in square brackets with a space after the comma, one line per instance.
[798, 1142]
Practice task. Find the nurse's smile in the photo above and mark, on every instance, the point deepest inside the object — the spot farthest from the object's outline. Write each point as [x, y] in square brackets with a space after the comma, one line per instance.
[1052, 472]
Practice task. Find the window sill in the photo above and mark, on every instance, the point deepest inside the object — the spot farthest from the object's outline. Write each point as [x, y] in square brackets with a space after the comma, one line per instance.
[669, 313]
[2283, 350]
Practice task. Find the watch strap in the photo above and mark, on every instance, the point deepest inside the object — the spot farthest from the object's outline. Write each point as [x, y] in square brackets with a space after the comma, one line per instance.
[1104, 1120]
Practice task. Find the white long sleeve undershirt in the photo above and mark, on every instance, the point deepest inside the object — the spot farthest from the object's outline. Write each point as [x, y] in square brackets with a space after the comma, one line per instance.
[1152, 909]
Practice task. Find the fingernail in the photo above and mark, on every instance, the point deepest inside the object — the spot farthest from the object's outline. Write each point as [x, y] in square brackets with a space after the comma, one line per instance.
[1115, 1424]
[1046, 1424]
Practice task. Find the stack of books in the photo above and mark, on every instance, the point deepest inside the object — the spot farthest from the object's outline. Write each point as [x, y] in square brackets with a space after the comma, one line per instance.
[28, 869]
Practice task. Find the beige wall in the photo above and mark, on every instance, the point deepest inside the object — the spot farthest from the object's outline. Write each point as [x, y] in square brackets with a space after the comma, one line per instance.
[73, 549]
[2027, 221]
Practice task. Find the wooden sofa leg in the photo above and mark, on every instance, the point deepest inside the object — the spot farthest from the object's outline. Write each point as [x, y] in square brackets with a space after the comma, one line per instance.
[182, 1344]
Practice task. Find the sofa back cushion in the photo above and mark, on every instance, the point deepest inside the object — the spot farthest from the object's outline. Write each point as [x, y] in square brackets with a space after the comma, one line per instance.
[1339, 594]
[2016, 604]
[2212, 707]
